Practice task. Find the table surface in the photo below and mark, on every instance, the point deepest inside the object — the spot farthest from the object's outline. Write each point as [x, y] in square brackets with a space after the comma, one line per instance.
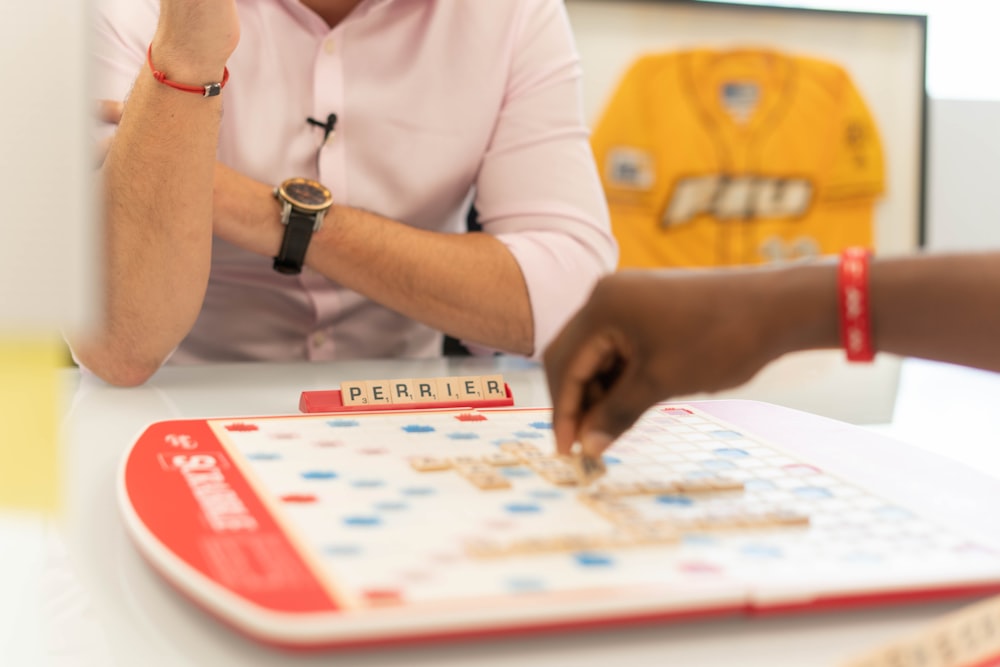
[83, 596]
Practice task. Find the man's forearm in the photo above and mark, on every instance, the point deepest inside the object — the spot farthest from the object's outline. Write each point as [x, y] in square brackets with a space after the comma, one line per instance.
[158, 179]
[466, 285]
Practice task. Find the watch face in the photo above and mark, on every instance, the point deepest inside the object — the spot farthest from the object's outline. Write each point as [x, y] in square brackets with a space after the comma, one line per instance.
[306, 194]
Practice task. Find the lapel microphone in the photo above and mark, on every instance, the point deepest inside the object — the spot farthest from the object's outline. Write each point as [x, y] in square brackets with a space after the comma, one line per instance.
[331, 122]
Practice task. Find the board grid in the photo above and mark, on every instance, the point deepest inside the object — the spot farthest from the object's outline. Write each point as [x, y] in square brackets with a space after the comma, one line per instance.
[380, 532]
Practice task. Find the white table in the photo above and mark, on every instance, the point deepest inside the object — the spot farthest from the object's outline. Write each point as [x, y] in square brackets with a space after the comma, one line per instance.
[101, 604]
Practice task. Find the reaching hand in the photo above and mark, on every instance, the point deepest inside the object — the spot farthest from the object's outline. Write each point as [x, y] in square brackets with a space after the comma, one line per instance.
[646, 336]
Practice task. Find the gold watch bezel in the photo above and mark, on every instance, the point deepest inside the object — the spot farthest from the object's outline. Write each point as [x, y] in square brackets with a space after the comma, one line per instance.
[283, 193]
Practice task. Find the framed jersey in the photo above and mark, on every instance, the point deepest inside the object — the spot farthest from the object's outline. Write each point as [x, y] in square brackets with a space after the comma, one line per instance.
[731, 134]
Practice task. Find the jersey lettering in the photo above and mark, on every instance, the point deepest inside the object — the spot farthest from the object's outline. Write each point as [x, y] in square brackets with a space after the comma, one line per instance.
[737, 198]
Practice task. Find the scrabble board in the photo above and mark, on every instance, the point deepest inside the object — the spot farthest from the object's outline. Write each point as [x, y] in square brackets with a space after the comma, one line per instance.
[354, 529]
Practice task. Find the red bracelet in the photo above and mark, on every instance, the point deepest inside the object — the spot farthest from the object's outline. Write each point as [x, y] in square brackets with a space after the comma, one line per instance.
[207, 90]
[855, 304]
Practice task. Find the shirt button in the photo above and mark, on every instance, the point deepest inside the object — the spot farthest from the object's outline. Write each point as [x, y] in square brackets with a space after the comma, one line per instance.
[329, 46]
[318, 339]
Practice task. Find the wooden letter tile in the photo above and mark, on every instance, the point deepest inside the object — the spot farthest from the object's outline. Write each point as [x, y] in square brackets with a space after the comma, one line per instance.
[470, 387]
[381, 392]
[502, 459]
[489, 481]
[429, 464]
[560, 476]
[493, 387]
[588, 468]
[448, 389]
[403, 391]
[463, 461]
[659, 486]
[425, 390]
[355, 392]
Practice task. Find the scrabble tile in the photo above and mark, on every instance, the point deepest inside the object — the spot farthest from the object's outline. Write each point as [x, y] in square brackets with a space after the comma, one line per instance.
[704, 485]
[461, 461]
[527, 452]
[788, 518]
[617, 512]
[488, 482]
[579, 542]
[381, 392]
[470, 387]
[561, 477]
[618, 488]
[448, 389]
[532, 545]
[502, 459]
[588, 469]
[545, 463]
[403, 391]
[476, 468]
[511, 447]
[425, 390]
[658, 486]
[591, 497]
[355, 392]
[493, 387]
[429, 464]
[725, 484]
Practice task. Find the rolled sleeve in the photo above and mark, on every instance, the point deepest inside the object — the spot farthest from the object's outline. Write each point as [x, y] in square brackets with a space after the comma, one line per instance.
[121, 31]
[538, 190]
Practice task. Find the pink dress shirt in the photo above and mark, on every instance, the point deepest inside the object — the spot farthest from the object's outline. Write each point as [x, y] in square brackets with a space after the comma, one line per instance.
[441, 103]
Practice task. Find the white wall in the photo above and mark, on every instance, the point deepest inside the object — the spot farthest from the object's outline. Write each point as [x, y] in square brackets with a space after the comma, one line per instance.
[963, 207]
[962, 48]
[46, 238]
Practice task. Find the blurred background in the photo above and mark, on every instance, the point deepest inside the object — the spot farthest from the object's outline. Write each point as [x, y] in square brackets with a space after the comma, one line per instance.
[48, 256]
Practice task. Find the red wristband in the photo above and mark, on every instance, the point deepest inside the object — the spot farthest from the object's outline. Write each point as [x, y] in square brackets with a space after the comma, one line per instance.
[207, 90]
[855, 304]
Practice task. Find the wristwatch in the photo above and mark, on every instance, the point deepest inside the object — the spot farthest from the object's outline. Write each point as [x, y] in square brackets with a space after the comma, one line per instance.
[304, 202]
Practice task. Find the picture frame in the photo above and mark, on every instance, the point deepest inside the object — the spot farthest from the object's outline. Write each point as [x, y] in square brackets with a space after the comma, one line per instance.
[884, 54]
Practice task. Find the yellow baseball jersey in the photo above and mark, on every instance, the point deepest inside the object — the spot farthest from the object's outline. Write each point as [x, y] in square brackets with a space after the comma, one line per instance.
[713, 158]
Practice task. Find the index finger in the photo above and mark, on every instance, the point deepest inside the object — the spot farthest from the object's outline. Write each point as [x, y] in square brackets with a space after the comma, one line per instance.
[571, 371]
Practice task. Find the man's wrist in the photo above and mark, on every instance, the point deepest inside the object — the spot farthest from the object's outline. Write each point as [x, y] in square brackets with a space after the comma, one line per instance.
[181, 62]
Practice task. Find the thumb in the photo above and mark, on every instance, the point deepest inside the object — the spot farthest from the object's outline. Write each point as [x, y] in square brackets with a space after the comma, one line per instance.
[615, 412]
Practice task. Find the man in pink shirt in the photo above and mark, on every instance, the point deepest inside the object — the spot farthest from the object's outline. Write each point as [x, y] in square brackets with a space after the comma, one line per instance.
[438, 104]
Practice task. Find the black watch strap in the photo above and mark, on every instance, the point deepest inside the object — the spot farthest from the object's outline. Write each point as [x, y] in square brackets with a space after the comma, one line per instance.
[298, 233]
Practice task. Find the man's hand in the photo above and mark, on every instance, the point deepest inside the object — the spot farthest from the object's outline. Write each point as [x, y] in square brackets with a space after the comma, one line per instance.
[109, 112]
[646, 336]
